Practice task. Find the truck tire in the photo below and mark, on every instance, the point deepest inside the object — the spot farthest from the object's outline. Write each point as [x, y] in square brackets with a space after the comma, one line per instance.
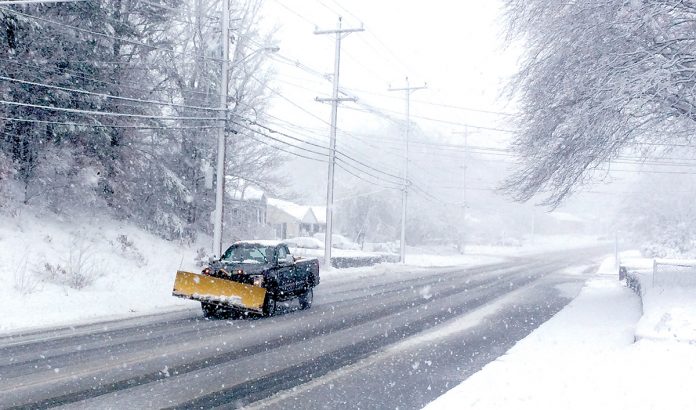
[269, 306]
[209, 310]
[306, 299]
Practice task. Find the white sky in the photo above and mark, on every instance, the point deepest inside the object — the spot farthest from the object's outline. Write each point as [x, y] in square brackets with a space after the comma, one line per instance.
[457, 47]
[454, 46]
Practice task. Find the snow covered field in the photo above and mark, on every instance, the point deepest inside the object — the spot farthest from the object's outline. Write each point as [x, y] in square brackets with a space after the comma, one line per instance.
[585, 357]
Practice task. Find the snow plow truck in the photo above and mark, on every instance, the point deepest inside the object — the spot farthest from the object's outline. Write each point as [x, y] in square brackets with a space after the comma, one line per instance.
[250, 277]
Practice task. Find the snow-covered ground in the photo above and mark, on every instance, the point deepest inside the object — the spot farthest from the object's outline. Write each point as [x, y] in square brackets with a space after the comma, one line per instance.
[121, 270]
[126, 270]
[585, 357]
[669, 299]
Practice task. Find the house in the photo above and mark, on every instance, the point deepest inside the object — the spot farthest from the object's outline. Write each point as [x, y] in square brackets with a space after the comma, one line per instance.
[290, 220]
[245, 211]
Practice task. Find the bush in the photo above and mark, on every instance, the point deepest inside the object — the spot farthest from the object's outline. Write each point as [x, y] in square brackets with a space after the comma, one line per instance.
[25, 282]
[79, 269]
[128, 249]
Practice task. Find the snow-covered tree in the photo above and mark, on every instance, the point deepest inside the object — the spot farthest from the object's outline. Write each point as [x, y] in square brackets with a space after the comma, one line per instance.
[117, 70]
[661, 216]
[369, 215]
[599, 76]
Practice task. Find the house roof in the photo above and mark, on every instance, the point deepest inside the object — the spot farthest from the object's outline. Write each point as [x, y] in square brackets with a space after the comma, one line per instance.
[296, 211]
[241, 190]
[302, 213]
[320, 213]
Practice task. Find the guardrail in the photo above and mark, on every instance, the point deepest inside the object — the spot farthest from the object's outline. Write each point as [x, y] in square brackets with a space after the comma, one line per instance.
[631, 278]
[341, 262]
[664, 272]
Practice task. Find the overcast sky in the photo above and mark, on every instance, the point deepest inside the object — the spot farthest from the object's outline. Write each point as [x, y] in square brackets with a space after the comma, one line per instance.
[456, 47]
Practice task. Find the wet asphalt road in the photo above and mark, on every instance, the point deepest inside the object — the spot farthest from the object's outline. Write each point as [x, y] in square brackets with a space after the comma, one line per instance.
[392, 341]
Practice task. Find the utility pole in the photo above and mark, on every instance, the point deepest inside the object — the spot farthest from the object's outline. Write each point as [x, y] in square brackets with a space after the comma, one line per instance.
[465, 167]
[340, 33]
[220, 180]
[408, 90]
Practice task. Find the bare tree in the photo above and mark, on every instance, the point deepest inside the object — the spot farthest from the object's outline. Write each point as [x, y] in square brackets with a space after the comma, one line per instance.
[599, 77]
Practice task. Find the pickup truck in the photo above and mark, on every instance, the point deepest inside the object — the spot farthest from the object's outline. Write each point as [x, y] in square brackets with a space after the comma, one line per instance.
[251, 276]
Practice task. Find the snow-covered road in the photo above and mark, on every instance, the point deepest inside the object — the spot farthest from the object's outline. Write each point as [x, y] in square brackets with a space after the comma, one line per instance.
[397, 340]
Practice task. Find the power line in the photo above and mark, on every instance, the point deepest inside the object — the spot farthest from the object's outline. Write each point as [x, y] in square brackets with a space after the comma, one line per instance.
[371, 33]
[81, 74]
[341, 160]
[380, 111]
[327, 148]
[13, 2]
[461, 124]
[395, 187]
[295, 13]
[105, 113]
[346, 158]
[297, 105]
[115, 97]
[304, 129]
[436, 104]
[286, 151]
[78, 124]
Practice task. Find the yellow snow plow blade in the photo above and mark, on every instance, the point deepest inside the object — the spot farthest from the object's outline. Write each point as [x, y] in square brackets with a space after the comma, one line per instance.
[208, 289]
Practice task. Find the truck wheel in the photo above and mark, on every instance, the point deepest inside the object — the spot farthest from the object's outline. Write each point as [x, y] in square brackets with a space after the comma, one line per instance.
[306, 299]
[269, 306]
[209, 310]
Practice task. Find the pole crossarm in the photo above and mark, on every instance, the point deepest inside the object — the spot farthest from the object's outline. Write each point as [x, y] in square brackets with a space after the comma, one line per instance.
[345, 31]
[409, 89]
[340, 99]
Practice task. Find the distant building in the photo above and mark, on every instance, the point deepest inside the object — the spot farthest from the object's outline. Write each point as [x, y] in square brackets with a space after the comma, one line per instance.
[245, 211]
[290, 220]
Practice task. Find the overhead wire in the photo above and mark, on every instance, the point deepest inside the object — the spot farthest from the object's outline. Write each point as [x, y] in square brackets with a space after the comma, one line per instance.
[81, 75]
[77, 124]
[338, 163]
[340, 156]
[107, 113]
[115, 97]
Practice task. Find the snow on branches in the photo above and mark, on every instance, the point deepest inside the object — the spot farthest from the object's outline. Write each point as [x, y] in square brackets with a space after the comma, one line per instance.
[599, 76]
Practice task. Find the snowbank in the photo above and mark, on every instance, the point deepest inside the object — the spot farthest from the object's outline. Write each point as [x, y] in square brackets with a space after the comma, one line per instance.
[585, 358]
[125, 271]
[669, 299]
